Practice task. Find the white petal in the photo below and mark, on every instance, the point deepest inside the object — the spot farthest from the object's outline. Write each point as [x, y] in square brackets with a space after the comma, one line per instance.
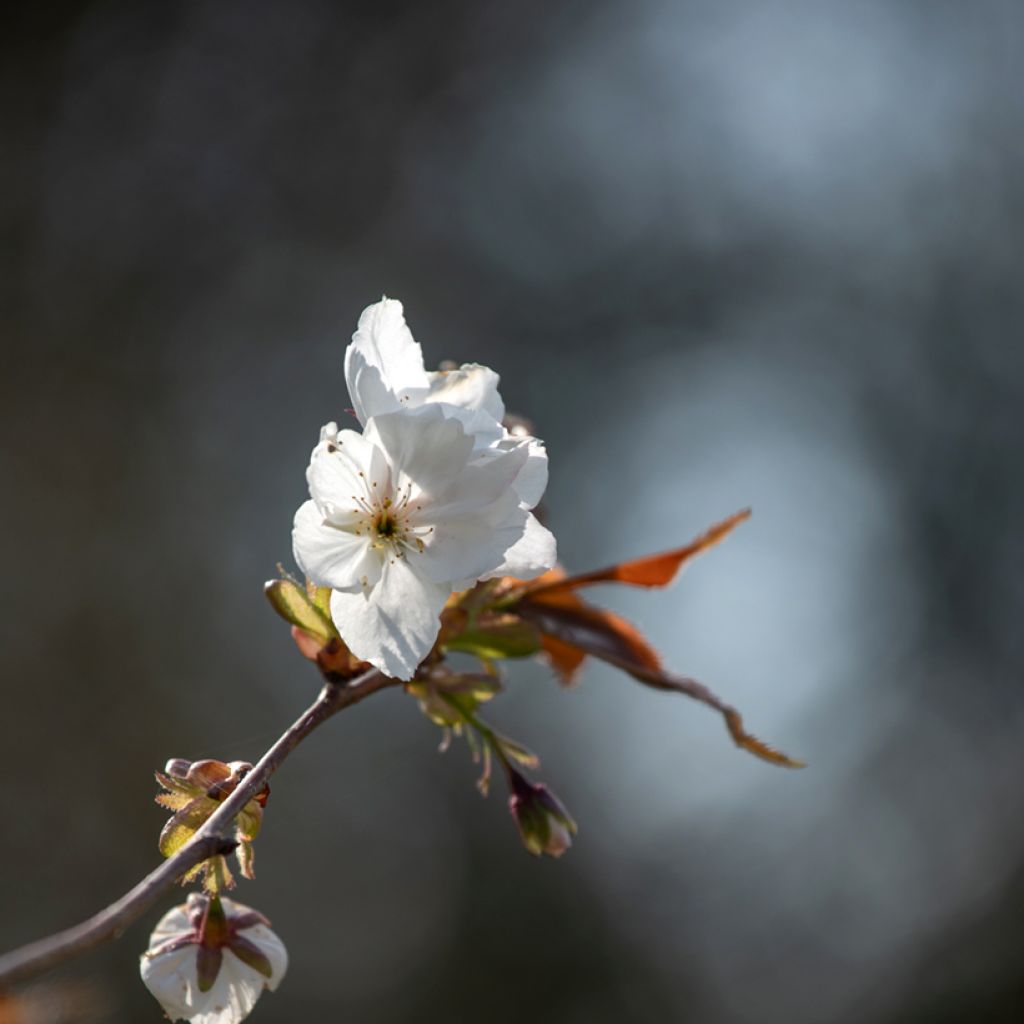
[534, 553]
[272, 948]
[330, 556]
[484, 481]
[234, 993]
[465, 548]
[175, 922]
[382, 342]
[533, 479]
[345, 468]
[368, 391]
[172, 979]
[485, 430]
[471, 386]
[423, 447]
[394, 624]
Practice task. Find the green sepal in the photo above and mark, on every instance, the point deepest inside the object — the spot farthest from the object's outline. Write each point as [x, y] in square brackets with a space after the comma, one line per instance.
[515, 751]
[249, 954]
[208, 961]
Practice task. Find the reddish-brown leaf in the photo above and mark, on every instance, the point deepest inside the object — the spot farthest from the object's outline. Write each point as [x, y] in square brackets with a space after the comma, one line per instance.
[756, 747]
[575, 624]
[650, 571]
[565, 659]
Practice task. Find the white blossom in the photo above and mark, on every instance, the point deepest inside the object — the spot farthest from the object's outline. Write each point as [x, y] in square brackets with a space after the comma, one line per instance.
[169, 968]
[400, 517]
[433, 496]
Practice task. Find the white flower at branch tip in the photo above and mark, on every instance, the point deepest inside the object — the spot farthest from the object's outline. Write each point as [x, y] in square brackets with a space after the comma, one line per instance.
[435, 495]
[403, 515]
[170, 968]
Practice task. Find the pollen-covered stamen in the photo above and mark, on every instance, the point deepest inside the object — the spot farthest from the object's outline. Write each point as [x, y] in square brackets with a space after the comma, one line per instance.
[385, 520]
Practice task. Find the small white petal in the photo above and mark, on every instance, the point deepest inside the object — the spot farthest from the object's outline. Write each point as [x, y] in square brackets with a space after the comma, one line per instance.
[337, 477]
[175, 922]
[485, 480]
[382, 342]
[532, 554]
[328, 555]
[423, 446]
[234, 993]
[272, 948]
[471, 546]
[533, 480]
[394, 624]
[480, 425]
[471, 386]
[370, 395]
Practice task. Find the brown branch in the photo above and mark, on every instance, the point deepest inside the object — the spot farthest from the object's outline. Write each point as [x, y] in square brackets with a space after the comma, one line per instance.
[211, 839]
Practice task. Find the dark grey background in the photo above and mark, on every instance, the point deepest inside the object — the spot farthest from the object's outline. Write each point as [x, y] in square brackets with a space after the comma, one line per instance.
[722, 254]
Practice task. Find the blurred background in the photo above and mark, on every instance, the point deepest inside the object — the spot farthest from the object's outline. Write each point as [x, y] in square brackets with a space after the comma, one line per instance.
[722, 255]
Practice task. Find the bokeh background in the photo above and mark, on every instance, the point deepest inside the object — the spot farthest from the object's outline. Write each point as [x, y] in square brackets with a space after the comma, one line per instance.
[721, 254]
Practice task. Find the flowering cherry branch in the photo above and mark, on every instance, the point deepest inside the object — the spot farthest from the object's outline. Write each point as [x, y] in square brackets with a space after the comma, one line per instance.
[212, 839]
[419, 541]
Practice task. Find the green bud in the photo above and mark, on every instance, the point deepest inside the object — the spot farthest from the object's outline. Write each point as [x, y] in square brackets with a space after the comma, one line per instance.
[294, 605]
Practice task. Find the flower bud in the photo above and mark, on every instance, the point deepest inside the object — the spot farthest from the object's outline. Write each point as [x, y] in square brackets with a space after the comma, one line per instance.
[209, 960]
[544, 824]
[177, 767]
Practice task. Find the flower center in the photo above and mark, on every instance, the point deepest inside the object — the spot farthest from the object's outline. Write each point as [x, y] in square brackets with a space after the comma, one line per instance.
[386, 522]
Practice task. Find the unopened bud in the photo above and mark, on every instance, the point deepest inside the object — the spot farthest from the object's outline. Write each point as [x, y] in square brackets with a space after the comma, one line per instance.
[545, 826]
[177, 767]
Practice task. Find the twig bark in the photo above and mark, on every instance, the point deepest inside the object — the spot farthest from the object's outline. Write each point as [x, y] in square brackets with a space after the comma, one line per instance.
[212, 838]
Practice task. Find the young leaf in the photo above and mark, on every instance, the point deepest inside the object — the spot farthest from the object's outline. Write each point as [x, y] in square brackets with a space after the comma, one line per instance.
[496, 636]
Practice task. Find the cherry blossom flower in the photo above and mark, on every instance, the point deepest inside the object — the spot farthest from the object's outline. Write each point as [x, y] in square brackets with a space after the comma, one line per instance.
[400, 517]
[209, 961]
[433, 496]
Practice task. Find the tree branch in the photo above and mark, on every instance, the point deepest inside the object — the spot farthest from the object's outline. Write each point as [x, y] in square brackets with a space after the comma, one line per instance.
[212, 838]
